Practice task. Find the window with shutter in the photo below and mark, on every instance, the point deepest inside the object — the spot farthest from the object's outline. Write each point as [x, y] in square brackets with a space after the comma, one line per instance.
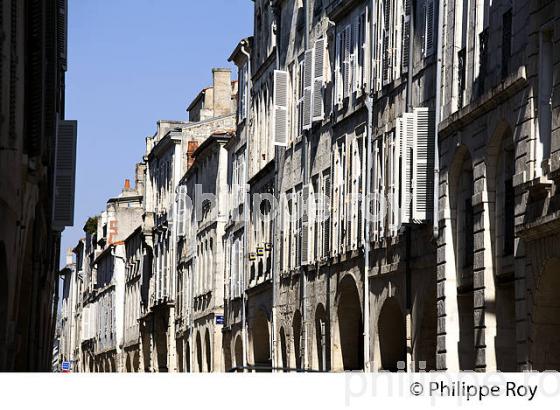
[314, 219]
[64, 174]
[406, 128]
[307, 89]
[483, 60]
[341, 186]
[375, 190]
[339, 62]
[429, 10]
[462, 63]
[280, 108]
[395, 208]
[318, 80]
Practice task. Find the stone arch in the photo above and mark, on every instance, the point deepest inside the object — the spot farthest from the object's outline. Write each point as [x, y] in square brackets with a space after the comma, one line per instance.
[350, 325]
[392, 336]
[321, 337]
[199, 352]
[238, 350]
[260, 338]
[297, 339]
[461, 189]
[283, 349]
[544, 353]
[208, 349]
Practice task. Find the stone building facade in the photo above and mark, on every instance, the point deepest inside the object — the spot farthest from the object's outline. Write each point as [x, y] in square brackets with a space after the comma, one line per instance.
[384, 197]
[498, 300]
[36, 179]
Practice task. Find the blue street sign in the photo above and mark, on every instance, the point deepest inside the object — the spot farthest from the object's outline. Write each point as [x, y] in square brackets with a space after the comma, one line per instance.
[65, 366]
[219, 319]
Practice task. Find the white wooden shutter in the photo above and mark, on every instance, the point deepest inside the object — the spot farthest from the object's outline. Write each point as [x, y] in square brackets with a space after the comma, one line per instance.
[180, 205]
[406, 36]
[280, 108]
[307, 89]
[424, 166]
[429, 32]
[64, 174]
[347, 64]
[318, 80]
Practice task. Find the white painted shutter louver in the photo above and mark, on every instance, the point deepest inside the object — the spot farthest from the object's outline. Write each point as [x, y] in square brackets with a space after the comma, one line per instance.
[318, 80]
[424, 169]
[280, 108]
[307, 89]
[65, 174]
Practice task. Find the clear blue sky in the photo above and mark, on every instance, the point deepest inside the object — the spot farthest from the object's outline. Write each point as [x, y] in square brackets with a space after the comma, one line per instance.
[132, 62]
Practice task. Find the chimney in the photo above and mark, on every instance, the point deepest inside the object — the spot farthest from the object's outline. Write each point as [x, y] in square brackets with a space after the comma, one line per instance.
[127, 184]
[191, 148]
[222, 91]
[140, 178]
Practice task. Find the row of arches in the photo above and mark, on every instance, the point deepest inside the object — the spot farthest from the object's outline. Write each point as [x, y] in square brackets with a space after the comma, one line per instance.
[339, 346]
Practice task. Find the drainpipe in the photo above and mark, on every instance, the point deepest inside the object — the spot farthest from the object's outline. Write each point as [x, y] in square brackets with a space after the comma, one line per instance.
[408, 227]
[305, 181]
[437, 120]
[245, 218]
[365, 196]
[273, 349]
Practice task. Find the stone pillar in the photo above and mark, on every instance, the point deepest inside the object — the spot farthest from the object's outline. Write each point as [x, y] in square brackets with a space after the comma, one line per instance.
[484, 292]
[447, 352]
